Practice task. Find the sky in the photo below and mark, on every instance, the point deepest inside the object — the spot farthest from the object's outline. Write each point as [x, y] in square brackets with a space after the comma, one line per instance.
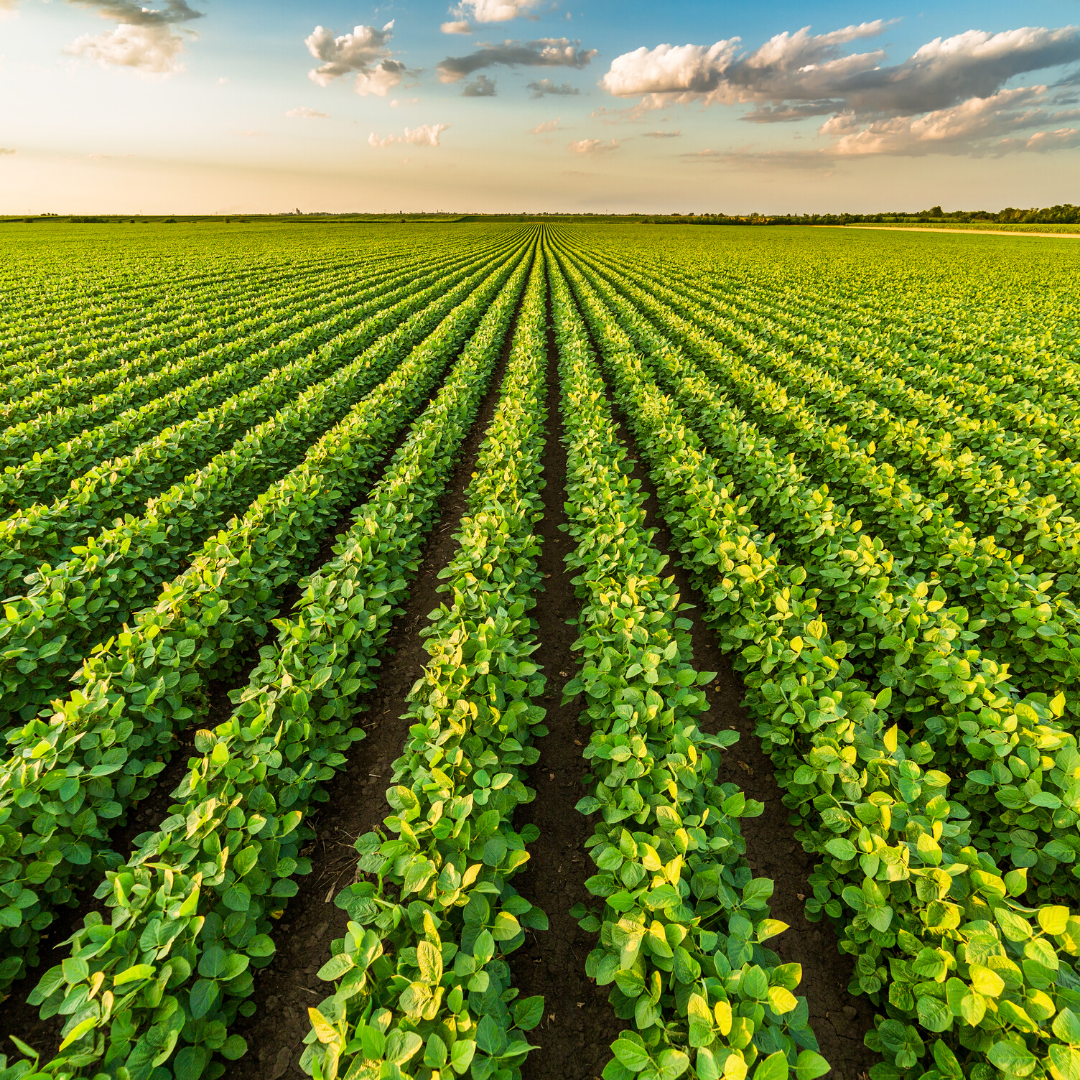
[690, 106]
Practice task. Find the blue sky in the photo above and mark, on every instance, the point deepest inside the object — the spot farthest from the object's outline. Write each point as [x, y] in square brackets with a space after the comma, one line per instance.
[236, 106]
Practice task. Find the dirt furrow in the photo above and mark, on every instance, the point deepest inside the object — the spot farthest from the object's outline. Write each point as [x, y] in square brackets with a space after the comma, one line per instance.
[579, 1024]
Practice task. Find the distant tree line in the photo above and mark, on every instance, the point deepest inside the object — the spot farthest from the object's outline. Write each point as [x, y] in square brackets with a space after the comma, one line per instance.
[1066, 214]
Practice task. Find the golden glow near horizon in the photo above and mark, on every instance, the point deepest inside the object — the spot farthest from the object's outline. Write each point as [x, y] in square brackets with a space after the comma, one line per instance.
[511, 107]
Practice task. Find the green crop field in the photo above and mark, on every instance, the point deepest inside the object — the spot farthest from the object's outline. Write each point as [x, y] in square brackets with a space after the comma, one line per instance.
[525, 651]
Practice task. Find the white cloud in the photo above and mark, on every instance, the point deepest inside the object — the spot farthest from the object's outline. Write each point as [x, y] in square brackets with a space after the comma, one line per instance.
[950, 96]
[152, 48]
[143, 39]
[548, 125]
[593, 146]
[223, 81]
[304, 113]
[490, 11]
[459, 26]
[661, 134]
[545, 52]
[971, 126]
[363, 51]
[408, 101]
[426, 135]
[800, 74]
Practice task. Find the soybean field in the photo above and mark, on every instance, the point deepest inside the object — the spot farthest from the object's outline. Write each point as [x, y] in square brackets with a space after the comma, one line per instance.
[538, 651]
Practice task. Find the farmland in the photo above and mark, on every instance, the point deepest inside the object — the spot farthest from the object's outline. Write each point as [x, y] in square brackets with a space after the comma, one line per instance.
[533, 650]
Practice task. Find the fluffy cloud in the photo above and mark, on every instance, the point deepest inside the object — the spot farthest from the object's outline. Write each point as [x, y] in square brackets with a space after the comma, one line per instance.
[969, 126]
[548, 125]
[304, 113]
[592, 146]
[546, 52]
[489, 11]
[426, 135]
[144, 38]
[543, 87]
[152, 48]
[459, 26]
[802, 74]
[481, 86]
[949, 96]
[363, 51]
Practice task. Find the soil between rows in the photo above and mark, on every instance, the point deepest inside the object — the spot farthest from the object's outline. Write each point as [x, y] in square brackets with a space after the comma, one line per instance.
[578, 1025]
[289, 985]
[837, 1018]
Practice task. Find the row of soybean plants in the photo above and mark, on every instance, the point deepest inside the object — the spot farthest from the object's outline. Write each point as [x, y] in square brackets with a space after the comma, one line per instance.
[130, 343]
[157, 987]
[67, 779]
[970, 978]
[129, 300]
[421, 983]
[1008, 484]
[101, 577]
[682, 920]
[221, 407]
[36, 425]
[922, 309]
[150, 361]
[1019, 618]
[50, 470]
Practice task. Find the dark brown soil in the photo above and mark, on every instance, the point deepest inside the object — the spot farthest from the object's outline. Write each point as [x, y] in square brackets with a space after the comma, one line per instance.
[289, 985]
[838, 1019]
[579, 1024]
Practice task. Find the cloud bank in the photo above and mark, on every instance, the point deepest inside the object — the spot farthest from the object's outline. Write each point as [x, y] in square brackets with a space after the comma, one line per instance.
[363, 51]
[949, 96]
[144, 38]
[545, 52]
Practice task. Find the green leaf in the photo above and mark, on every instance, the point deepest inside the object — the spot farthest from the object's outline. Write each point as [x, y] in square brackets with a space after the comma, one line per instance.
[841, 848]
[1067, 1027]
[632, 1055]
[429, 960]
[934, 1015]
[139, 971]
[774, 1067]
[336, 966]
[672, 1064]
[490, 1036]
[810, 1065]
[461, 1055]
[1011, 1058]
[78, 1031]
[528, 1012]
